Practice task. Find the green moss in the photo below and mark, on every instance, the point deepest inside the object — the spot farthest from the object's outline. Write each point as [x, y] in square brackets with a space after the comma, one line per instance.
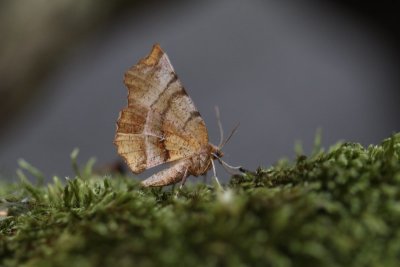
[335, 208]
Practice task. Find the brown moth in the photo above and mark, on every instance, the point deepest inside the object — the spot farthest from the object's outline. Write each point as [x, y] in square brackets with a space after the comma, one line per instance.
[161, 124]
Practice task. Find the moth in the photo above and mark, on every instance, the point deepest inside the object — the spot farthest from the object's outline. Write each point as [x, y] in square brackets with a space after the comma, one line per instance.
[162, 125]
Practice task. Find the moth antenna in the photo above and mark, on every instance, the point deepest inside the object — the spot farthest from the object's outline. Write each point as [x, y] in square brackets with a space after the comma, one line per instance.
[230, 135]
[221, 130]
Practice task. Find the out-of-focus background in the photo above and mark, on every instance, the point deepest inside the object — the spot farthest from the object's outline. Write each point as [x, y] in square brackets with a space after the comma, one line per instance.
[280, 68]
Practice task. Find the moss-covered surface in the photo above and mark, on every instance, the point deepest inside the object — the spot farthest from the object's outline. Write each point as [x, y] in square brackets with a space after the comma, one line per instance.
[335, 208]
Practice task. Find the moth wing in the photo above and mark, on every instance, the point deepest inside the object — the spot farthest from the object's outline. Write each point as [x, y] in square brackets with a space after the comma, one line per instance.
[173, 174]
[160, 123]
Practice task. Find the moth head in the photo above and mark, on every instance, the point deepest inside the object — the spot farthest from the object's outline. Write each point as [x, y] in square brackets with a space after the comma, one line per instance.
[216, 152]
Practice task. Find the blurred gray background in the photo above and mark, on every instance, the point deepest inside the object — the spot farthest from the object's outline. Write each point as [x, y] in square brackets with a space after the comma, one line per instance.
[280, 68]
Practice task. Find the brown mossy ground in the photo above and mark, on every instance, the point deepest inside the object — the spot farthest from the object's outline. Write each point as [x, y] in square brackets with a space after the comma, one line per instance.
[334, 208]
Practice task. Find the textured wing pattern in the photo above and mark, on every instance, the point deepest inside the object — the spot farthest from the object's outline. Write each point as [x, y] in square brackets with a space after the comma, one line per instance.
[160, 123]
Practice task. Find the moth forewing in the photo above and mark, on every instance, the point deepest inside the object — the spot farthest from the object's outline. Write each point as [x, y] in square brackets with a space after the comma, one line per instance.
[161, 124]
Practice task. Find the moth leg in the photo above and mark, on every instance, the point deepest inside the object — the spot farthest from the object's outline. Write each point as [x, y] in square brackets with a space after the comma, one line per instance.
[184, 179]
[215, 174]
[171, 175]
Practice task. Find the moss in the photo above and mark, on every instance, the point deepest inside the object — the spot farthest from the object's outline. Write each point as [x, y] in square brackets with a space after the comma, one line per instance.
[334, 208]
